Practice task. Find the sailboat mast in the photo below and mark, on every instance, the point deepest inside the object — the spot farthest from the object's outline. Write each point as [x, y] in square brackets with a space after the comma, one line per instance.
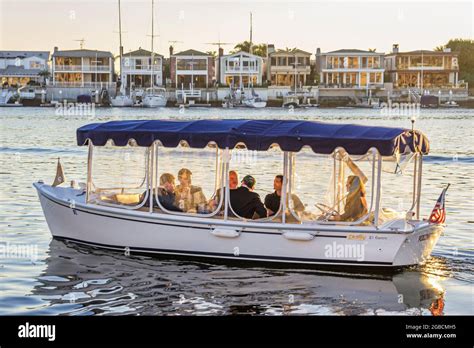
[152, 82]
[120, 32]
[120, 44]
[250, 48]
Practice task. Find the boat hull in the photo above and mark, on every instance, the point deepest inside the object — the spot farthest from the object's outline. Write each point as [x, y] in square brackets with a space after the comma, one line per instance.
[154, 101]
[121, 101]
[153, 233]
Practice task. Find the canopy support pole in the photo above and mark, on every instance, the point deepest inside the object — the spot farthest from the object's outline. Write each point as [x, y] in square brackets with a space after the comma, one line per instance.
[418, 193]
[226, 158]
[379, 184]
[89, 171]
[151, 171]
[285, 186]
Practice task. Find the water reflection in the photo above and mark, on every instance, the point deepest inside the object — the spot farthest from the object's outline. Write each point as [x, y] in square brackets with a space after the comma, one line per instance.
[86, 281]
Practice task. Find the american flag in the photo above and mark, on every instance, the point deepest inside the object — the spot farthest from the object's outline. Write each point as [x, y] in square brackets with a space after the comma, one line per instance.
[438, 215]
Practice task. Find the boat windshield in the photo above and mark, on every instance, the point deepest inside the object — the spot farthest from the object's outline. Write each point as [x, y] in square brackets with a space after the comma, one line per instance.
[335, 187]
[119, 175]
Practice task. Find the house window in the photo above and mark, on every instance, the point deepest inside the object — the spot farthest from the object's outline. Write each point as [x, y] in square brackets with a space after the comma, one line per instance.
[36, 65]
[363, 79]
[282, 61]
[273, 61]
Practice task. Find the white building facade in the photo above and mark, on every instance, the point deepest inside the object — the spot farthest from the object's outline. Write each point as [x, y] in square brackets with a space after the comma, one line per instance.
[21, 67]
[350, 68]
[241, 69]
[137, 69]
[82, 68]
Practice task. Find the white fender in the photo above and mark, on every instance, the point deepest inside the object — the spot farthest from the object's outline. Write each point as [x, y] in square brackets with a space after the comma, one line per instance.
[303, 236]
[225, 232]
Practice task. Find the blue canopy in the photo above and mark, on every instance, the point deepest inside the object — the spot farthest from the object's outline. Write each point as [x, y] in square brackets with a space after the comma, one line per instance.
[290, 135]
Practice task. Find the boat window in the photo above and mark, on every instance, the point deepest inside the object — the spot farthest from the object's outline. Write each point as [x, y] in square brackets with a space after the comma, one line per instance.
[335, 187]
[397, 189]
[263, 167]
[187, 180]
[119, 175]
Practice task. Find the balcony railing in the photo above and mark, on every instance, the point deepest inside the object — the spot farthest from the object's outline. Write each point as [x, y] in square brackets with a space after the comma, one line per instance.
[88, 68]
[331, 66]
[142, 67]
[83, 84]
[245, 69]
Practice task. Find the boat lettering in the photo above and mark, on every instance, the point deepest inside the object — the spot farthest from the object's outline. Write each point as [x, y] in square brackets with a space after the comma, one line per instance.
[356, 237]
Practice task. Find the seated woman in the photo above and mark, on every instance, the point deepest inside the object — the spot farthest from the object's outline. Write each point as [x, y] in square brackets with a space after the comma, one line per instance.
[166, 193]
[189, 198]
[356, 205]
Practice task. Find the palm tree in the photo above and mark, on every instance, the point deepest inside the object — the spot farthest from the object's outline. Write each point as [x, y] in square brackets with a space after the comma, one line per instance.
[257, 49]
[212, 53]
[44, 74]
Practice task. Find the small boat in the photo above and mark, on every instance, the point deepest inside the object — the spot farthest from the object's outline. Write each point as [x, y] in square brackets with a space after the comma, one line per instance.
[254, 100]
[121, 100]
[154, 97]
[115, 218]
[450, 104]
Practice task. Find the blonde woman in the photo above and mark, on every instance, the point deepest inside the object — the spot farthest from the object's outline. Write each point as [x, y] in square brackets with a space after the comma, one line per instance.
[356, 204]
[189, 198]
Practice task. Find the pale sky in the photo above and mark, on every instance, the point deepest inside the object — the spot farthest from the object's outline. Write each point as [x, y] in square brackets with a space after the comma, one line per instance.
[43, 24]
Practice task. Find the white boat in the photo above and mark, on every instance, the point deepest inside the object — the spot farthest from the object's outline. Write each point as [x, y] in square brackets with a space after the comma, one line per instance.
[122, 100]
[450, 104]
[117, 219]
[154, 97]
[253, 100]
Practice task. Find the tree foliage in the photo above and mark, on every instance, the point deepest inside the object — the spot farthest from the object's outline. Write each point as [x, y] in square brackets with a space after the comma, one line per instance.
[465, 50]
[257, 49]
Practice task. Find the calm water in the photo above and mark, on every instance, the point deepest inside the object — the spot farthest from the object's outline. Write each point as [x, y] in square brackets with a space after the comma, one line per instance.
[67, 279]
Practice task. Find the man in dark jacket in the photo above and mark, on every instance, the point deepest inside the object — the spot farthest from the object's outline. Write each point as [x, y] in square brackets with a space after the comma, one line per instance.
[166, 194]
[245, 202]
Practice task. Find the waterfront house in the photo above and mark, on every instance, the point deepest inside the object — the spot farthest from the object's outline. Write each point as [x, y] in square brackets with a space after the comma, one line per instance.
[286, 66]
[422, 69]
[240, 69]
[22, 67]
[82, 68]
[136, 69]
[191, 69]
[350, 69]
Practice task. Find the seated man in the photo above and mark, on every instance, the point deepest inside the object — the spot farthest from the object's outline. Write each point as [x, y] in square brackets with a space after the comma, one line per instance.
[272, 200]
[356, 205]
[245, 202]
[166, 194]
[233, 183]
[189, 197]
